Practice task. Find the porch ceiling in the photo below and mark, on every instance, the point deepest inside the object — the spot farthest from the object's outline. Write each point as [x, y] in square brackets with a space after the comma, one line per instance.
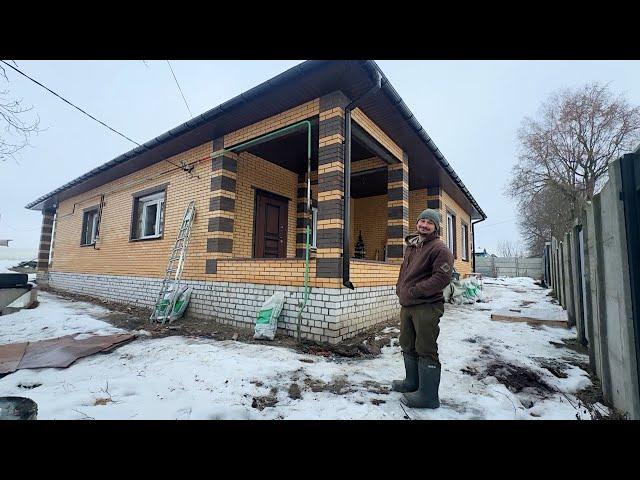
[369, 184]
[290, 151]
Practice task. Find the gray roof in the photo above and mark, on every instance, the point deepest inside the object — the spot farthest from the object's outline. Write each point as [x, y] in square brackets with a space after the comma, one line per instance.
[311, 79]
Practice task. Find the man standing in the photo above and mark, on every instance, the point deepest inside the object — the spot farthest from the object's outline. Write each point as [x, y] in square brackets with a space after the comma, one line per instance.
[425, 272]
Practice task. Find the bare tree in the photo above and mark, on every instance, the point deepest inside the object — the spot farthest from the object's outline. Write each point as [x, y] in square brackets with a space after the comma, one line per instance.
[546, 216]
[564, 156]
[16, 130]
[506, 248]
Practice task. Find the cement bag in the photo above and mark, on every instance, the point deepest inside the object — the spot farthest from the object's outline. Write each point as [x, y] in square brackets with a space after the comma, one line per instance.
[473, 289]
[184, 295]
[463, 291]
[267, 319]
[448, 292]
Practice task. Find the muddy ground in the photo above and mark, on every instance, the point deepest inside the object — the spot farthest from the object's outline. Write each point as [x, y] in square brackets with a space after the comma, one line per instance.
[524, 382]
[365, 345]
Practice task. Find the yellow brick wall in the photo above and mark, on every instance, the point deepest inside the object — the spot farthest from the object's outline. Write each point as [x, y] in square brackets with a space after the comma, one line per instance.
[367, 164]
[373, 274]
[271, 272]
[372, 129]
[255, 172]
[417, 203]
[116, 255]
[288, 117]
[369, 214]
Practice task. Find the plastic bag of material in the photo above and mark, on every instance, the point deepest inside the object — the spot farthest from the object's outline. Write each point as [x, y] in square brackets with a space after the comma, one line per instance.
[464, 291]
[180, 305]
[267, 319]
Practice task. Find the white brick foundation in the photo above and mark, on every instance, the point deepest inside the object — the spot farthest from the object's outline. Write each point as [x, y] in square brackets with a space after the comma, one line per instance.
[331, 315]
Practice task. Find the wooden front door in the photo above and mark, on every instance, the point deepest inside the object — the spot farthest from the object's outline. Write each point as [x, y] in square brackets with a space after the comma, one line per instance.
[270, 231]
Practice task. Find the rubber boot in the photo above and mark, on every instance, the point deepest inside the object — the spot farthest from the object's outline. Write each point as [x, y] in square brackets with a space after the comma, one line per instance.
[427, 394]
[410, 383]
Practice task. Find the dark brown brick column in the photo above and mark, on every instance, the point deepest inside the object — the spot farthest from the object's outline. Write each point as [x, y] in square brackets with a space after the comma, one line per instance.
[331, 185]
[222, 206]
[46, 234]
[397, 209]
[433, 198]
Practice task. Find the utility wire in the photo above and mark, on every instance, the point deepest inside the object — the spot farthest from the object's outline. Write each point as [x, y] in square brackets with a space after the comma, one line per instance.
[174, 77]
[67, 101]
[497, 223]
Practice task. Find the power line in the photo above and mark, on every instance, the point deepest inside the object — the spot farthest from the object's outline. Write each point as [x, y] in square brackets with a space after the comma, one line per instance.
[497, 223]
[67, 101]
[174, 77]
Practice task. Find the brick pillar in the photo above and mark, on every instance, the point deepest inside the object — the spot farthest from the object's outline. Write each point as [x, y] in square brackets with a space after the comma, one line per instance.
[46, 233]
[222, 206]
[397, 209]
[331, 185]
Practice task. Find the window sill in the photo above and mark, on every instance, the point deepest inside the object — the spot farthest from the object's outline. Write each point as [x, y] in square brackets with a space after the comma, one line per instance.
[144, 239]
[87, 244]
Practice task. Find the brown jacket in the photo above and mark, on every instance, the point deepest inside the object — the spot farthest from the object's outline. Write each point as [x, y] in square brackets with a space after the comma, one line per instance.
[426, 270]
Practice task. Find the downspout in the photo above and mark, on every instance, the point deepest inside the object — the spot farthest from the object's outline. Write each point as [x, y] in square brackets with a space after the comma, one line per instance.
[473, 252]
[346, 234]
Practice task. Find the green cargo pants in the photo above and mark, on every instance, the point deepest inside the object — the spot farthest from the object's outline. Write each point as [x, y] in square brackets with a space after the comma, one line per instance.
[419, 330]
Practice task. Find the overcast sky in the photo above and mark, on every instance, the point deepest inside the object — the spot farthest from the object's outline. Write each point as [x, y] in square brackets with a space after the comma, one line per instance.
[471, 109]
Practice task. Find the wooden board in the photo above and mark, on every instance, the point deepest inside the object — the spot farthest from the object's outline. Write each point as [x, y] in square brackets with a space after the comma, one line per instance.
[550, 318]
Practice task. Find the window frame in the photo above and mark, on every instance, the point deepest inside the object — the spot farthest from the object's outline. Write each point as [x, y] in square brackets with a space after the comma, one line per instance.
[465, 241]
[451, 235]
[95, 228]
[144, 196]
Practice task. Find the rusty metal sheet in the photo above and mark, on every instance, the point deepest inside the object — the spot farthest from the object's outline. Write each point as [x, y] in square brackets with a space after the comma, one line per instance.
[56, 352]
[10, 356]
[62, 352]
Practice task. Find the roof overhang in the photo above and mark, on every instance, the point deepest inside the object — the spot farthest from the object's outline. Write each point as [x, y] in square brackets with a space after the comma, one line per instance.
[300, 84]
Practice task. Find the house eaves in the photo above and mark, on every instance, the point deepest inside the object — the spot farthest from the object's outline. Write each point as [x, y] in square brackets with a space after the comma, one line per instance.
[386, 108]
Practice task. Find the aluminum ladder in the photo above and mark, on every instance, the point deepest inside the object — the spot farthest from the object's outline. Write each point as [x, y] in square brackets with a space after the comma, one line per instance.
[171, 284]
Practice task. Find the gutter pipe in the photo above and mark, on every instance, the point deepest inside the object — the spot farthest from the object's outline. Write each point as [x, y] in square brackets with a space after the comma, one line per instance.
[473, 235]
[346, 235]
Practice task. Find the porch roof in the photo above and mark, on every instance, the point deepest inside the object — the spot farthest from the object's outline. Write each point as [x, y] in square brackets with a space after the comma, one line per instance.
[300, 84]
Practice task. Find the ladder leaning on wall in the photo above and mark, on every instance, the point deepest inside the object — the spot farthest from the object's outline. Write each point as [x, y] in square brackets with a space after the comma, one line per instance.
[170, 289]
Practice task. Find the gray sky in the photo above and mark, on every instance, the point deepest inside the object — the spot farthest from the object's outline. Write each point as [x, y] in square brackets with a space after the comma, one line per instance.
[471, 109]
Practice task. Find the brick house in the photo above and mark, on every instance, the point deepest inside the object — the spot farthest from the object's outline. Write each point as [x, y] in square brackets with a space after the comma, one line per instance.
[245, 163]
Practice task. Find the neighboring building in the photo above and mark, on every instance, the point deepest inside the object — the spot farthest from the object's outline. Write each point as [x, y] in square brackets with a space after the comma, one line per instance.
[115, 226]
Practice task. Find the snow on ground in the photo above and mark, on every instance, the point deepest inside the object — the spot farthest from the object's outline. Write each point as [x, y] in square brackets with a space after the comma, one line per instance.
[53, 318]
[188, 378]
[5, 265]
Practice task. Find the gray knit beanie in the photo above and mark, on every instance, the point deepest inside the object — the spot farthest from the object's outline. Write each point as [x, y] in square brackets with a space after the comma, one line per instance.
[430, 214]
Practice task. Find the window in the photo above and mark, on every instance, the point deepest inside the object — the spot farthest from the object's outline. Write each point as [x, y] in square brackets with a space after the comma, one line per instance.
[451, 233]
[148, 216]
[465, 242]
[90, 220]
